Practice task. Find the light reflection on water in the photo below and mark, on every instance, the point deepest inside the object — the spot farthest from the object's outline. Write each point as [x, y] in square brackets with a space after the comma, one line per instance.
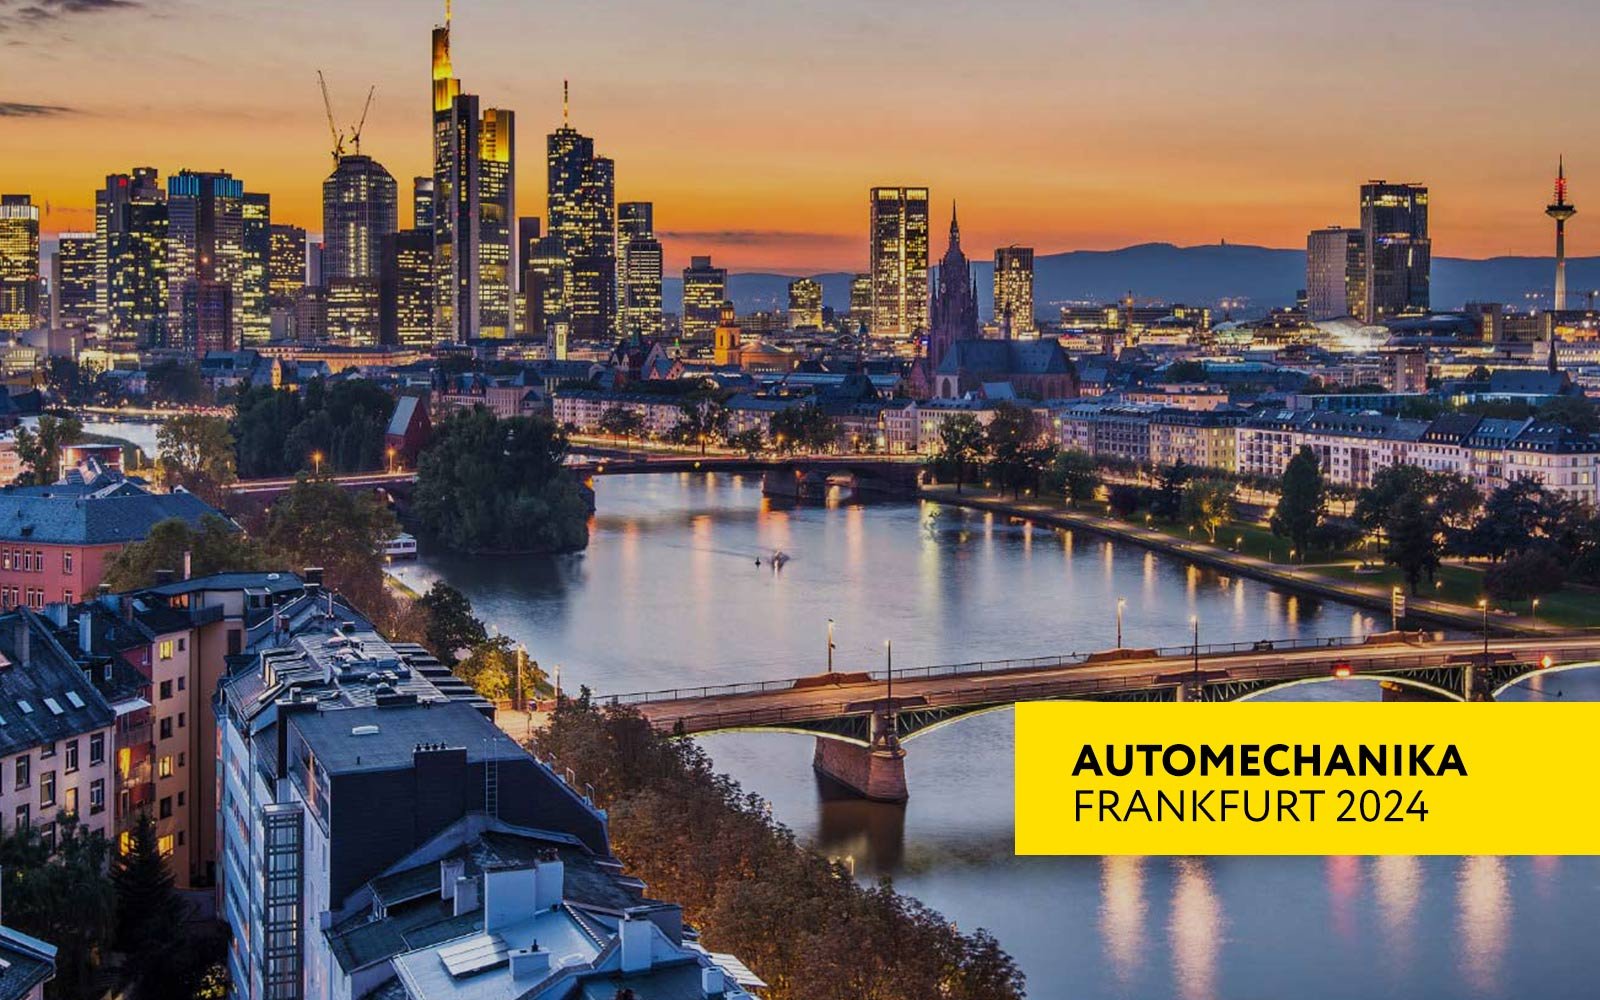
[668, 594]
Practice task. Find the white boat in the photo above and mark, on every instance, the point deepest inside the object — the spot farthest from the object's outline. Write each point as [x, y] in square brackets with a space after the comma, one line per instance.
[401, 546]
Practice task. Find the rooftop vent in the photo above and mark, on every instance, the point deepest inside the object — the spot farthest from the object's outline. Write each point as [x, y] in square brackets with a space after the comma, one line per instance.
[364, 730]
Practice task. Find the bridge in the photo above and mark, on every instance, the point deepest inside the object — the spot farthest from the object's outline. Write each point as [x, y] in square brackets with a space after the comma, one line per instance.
[863, 720]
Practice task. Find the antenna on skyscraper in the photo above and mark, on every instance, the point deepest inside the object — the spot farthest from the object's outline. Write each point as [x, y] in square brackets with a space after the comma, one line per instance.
[566, 106]
[447, 13]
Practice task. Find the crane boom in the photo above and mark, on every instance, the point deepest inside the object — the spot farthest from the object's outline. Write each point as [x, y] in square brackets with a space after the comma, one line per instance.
[355, 133]
[333, 130]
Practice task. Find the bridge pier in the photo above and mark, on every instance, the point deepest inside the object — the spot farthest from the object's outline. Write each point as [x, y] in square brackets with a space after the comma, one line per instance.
[876, 772]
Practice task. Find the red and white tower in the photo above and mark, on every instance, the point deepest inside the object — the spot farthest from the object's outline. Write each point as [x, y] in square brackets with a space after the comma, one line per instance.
[1561, 210]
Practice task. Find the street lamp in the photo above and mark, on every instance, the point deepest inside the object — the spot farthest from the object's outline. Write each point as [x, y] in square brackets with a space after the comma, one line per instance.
[1483, 604]
[888, 662]
[391, 460]
[1121, 603]
[316, 463]
[830, 645]
[1535, 612]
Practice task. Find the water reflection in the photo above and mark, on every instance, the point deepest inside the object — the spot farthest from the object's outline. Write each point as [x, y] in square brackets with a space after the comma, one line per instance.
[870, 835]
[1397, 889]
[1195, 930]
[1484, 911]
[1122, 914]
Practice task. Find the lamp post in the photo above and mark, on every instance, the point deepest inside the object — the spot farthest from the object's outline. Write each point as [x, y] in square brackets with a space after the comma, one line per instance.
[1121, 603]
[1483, 604]
[1536, 613]
[391, 460]
[830, 645]
[316, 463]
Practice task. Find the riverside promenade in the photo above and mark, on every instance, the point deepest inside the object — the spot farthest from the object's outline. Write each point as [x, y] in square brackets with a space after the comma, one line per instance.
[1299, 579]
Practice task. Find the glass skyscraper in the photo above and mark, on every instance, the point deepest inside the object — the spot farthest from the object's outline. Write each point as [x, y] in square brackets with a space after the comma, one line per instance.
[898, 252]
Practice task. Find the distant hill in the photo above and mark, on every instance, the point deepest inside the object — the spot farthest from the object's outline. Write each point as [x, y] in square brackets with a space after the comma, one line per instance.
[1262, 276]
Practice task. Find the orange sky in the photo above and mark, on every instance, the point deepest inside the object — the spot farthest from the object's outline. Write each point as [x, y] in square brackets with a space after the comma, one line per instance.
[757, 128]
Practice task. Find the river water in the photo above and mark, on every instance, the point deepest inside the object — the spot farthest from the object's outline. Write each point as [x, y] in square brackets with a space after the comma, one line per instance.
[669, 594]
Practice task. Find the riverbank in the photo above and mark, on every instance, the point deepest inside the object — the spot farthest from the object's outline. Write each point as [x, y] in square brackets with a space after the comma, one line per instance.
[1299, 579]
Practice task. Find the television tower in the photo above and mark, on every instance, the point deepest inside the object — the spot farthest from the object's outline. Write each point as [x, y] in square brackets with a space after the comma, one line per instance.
[1561, 210]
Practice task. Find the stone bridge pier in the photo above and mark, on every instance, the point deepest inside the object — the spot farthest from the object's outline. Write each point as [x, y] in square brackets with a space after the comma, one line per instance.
[877, 771]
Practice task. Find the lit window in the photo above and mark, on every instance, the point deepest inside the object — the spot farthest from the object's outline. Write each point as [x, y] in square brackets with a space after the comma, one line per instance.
[165, 649]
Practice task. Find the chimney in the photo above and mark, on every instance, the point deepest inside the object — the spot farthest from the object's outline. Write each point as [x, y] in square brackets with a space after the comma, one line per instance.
[450, 869]
[713, 983]
[312, 575]
[548, 878]
[634, 933]
[85, 631]
[466, 896]
[188, 564]
[508, 897]
[529, 963]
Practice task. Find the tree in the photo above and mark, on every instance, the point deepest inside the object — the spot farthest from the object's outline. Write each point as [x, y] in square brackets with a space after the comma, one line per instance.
[961, 445]
[177, 382]
[622, 422]
[749, 441]
[491, 669]
[451, 625]
[41, 449]
[806, 427]
[1535, 571]
[1017, 455]
[62, 896]
[701, 420]
[278, 431]
[1575, 413]
[319, 523]
[1124, 499]
[490, 485]
[215, 545]
[1414, 545]
[147, 906]
[195, 452]
[1515, 516]
[1168, 500]
[1302, 500]
[1073, 475]
[1207, 505]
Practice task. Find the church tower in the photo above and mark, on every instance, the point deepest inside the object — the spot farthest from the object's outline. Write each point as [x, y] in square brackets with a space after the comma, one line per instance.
[954, 315]
[726, 340]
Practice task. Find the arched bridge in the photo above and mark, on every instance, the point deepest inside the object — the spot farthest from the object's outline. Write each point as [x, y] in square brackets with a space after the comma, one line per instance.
[861, 724]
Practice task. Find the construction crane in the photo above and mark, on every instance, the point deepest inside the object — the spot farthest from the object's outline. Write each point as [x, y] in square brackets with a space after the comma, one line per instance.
[338, 137]
[355, 133]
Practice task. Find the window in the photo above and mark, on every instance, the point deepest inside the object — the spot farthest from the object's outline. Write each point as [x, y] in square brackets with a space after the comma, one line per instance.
[24, 816]
[24, 775]
[180, 800]
[72, 756]
[47, 751]
[181, 680]
[47, 836]
[164, 649]
[97, 796]
[164, 766]
[47, 789]
[66, 595]
[183, 644]
[166, 687]
[165, 809]
[165, 845]
[182, 716]
[66, 562]
[97, 749]
[69, 800]
[166, 728]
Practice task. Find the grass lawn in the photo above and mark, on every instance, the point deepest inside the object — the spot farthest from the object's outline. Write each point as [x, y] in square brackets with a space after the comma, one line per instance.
[1463, 585]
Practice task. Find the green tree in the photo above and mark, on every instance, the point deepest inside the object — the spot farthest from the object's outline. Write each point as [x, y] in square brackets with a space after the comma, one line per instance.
[278, 431]
[215, 545]
[1017, 452]
[1168, 500]
[1537, 570]
[41, 449]
[451, 625]
[148, 908]
[319, 523]
[489, 485]
[961, 445]
[491, 669]
[61, 896]
[1414, 542]
[177, 382]
[1576, 413]
[1516, 516]
[806, 428]
[749, 441]
[1302, 500]
[1208, 505]
[622, 422]
[701, 421]
[1073, 474]
[195, 452]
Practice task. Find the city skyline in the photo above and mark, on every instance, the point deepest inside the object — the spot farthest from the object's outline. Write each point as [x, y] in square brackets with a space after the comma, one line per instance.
[740, 184]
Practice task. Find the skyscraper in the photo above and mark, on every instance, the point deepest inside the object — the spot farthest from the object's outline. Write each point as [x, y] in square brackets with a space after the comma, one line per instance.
[544, 284]
[205, 250]
[898, 252]
[422, 203]
[861, 303]
[1336, 273]
[255, 269]
[1013, 289]
[1394, 228]
[19, 263]
[497, 214]
[638, 269]
[705, 288]
[72, 282]
[288, 268]
[581, 212]
[360, 209]
[131, 269]
[1561, 210]
[406, 289]
[805, 303]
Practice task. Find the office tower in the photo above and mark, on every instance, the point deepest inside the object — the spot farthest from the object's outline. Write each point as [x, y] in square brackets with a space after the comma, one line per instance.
[899, 254]
[72, 281]
[255, 269]
[1394, 228]
[131, 270]
[422, 203]
[860, 303]
[581, 211]
[406, 291]
[1013, 289]
[638, 269]
[705, 288]
[544, 285]
[1335, 273]
[288, 268]
[530, 231]
[360, 208]
[205, 247]
[497, 213]
[805, 303]
[1561, 210]
[19, 263]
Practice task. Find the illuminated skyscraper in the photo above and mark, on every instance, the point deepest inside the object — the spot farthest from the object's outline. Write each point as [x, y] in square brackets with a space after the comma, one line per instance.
[899, 254]
[1336, 273]
[131, 269]
[638, 269]
[288, 270]
[406, 293]
[497, 214]
[255, 269]
[422, 203]
[581, 212]
[1394, 228]
[72, 281]
[19, 263]
[360, 209]
[705, 288]
[861, 303]
[205, 251]
[544, 283]
[805, 303]
[1561, 210]
[1013, 289]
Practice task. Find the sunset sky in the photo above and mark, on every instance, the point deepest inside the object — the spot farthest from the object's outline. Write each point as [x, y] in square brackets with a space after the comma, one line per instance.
[757, 127]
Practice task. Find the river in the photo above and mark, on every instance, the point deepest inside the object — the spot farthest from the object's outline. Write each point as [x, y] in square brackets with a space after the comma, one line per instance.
[669, 594]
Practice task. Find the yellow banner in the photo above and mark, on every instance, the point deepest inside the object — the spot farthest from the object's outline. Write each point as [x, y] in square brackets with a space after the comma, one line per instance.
[1098, 778]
